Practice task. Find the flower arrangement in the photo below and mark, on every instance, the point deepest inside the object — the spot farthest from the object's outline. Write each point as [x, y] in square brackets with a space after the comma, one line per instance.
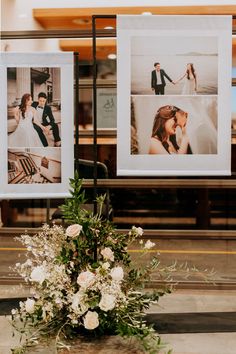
[83, 280]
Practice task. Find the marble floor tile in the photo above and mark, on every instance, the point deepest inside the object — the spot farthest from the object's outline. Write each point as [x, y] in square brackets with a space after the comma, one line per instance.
[204, 343]
[196, 301]
[201, 343]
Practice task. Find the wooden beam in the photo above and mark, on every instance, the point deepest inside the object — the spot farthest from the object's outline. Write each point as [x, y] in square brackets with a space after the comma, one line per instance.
[81, 18]
[234, 49]
[162, 183]
[157, 10]
[104, 47]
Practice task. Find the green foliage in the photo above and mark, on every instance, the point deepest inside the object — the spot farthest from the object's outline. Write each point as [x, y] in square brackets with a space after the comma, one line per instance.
[72, 211]
[91, 247]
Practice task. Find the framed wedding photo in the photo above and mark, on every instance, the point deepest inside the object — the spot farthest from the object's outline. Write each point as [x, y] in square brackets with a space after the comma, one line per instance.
[174, 95]
[37, 118]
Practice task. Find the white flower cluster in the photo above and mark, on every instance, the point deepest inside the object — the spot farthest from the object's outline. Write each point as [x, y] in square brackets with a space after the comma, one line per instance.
[136, 230]
[49, 279]
[82, 292]
[83, 279]
[46, 244]
[100, 287]
[104, 283]
[148, 245]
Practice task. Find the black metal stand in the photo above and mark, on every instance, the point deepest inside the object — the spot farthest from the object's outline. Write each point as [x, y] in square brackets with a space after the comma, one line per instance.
[95, 148]
[76, 119]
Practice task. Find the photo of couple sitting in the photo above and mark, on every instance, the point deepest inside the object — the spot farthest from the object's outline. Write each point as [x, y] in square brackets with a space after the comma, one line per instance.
[35, 122]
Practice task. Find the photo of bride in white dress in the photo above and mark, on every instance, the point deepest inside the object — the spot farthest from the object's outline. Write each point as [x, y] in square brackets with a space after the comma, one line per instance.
[25, 135]
[190, 81]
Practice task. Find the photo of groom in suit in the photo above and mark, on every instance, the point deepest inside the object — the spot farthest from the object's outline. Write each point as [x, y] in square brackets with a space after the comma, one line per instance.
[158, 80]
[46, 118]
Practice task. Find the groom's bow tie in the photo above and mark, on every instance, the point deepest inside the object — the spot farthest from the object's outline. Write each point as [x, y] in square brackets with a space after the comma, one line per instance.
[40, 107]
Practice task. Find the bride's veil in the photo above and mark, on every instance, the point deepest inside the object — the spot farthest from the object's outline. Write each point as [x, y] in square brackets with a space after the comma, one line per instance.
[202, 125]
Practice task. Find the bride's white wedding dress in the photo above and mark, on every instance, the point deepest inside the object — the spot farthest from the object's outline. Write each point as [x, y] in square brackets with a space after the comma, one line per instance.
[189, 86]
[25, 135]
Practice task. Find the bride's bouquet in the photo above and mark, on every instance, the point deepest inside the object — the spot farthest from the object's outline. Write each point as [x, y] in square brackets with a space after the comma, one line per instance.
[83, 281]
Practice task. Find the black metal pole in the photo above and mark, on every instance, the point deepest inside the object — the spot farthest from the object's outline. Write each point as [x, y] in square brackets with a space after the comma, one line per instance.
[94, 129]
[95, 150]
[76, 119]
[95, 147]
[48, 201]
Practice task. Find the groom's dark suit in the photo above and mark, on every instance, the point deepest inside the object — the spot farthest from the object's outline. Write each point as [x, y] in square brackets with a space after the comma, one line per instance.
[159, 87]
[47, 119]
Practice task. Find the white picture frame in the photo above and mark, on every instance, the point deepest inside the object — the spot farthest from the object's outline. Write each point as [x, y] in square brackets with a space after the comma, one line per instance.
[174, 41]
[32, 168]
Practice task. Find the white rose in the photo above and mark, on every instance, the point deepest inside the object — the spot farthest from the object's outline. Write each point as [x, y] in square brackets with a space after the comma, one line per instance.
[149, 245]
[78, 305]
[91, 320]
[106, 265]
[117, 273]
[73, 230]
[85, 279]
[107, 254]
[75, 301]
[38, 274]
[29, 305]
[107, 302]
[137, 230]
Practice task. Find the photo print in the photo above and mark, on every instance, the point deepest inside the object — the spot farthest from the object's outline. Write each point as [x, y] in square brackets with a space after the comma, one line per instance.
[186, 67]
[37, 120]
[174, 89]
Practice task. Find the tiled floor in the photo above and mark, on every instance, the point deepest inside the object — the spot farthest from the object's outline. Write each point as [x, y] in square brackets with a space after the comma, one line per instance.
[202, 343]
[179, 303]
[186, 343]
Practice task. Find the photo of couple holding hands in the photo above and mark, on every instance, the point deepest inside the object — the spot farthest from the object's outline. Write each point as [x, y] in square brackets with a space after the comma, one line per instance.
[158, 82]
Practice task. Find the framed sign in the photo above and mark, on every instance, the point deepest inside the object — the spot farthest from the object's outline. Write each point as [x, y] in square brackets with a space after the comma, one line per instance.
[174, 95]
[37, 124]
[106, 108]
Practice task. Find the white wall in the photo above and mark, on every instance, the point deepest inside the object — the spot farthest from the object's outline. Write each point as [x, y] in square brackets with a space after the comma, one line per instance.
[29, 4]
[30, 45]
[17, 15]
